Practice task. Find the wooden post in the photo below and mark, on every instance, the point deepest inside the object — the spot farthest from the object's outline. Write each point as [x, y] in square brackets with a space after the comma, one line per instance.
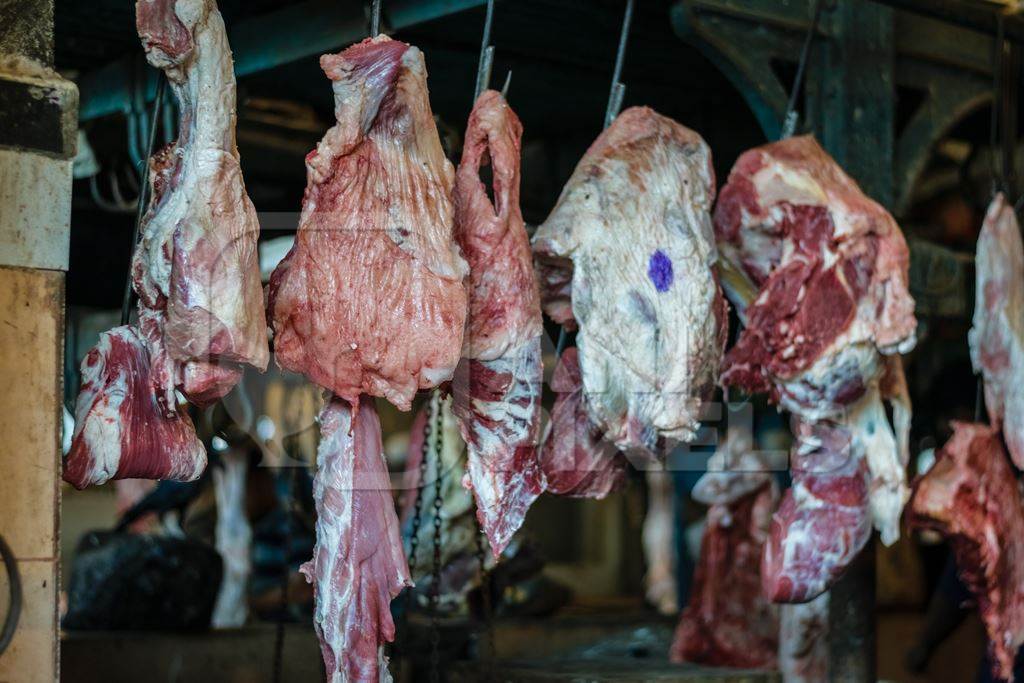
[38, 112]
[853, 109]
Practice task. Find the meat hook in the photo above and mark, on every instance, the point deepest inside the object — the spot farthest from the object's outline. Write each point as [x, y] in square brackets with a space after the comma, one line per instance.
[618, 90]
[789, 120]
[375, 18]
[483, 69]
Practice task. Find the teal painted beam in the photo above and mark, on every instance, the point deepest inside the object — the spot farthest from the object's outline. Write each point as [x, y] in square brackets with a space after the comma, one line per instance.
[264, 42]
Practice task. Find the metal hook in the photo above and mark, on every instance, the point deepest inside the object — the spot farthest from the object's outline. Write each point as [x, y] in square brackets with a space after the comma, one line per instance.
[508, 82]
[618, 89]
[375, 18]
[789, 120]
[483, 69]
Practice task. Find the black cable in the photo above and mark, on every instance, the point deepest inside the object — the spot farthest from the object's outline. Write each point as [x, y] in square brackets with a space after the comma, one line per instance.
[789, 120]
[14, 585]
[126, 301]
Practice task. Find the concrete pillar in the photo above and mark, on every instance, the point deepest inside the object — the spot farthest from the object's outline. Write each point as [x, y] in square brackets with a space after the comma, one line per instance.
[38, 119]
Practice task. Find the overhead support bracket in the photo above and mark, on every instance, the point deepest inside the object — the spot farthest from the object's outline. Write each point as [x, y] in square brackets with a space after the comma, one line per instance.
[264, 42]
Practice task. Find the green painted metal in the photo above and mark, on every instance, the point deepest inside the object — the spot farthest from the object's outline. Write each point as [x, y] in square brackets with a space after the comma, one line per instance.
[264, 42]
[949, 64]
[741, 38]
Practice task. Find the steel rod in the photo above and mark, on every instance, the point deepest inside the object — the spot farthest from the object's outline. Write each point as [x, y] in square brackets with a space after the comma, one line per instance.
[618, 90]
[375, 19]
[483, 68]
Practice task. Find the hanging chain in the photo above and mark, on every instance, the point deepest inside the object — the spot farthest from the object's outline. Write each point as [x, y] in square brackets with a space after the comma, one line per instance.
[435, 584]
[417, 517]
[485, 592]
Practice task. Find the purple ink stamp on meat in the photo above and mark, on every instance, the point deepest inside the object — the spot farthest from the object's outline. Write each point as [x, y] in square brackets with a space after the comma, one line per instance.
[659, 269]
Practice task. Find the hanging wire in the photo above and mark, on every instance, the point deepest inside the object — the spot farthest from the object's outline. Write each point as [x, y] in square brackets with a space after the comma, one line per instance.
[483, 69]
[126, 301]
[618, 89]
[998, 49]
[375, 18]
[791, 117]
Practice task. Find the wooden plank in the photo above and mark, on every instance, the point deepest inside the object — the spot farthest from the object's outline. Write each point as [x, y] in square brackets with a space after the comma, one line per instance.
[32, 655]
[31, 347]
[35, 221]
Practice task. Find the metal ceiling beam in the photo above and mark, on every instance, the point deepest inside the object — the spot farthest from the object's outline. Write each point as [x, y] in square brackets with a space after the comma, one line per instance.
[264, 42]
[965, 14]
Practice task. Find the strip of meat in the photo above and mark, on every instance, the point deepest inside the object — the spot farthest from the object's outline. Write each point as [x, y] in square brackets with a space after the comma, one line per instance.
[728, 621]
[824, 520]
[196, 267]
[358, 563]
[575, 459]
[195, 270]
[123, 429]
[498, 384]
[370, 299]
[803, 641]
[632, 231]
[972, 497]
[997, 335]
[829, 271]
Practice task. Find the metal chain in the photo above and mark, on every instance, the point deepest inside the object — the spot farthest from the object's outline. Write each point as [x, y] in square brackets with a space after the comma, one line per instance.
[485, 591]
[435, 585]
[417, 520]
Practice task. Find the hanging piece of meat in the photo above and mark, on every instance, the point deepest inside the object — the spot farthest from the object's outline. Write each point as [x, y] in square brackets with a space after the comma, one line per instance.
[370, 299]
[627, 255]
[818, 274]
[997, 335]
[972, 497]
[574, 457]
[358, 564]
[824, 520]
[728, 621]
[497, 388]
[195, 270]
[122, 431]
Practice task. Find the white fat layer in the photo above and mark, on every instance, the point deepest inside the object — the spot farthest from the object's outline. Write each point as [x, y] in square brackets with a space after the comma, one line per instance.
[98, 411]
[646, 355]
